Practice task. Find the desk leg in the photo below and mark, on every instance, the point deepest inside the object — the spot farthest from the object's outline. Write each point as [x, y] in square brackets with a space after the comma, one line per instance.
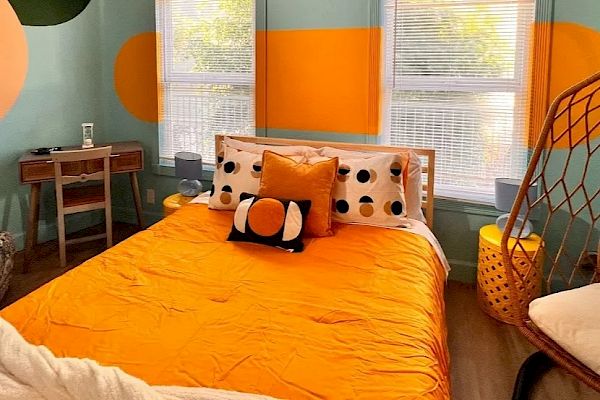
[32, 225]
[135, 188]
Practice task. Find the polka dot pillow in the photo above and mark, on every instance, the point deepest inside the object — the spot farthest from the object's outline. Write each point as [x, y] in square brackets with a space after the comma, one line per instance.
[272, 222]
[236, 172]
[239, 171]
[370, 191]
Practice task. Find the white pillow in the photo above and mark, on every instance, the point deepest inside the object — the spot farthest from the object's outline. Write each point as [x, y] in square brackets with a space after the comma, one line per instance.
[306, 151]
[413, 185]
[572, 320]
[238, 171]
[370, 191]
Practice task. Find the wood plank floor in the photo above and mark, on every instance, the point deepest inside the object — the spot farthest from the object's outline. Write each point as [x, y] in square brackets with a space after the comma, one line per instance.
[485, 354]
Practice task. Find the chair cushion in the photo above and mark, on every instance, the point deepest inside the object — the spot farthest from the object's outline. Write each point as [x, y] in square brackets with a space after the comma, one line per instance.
[572, 320]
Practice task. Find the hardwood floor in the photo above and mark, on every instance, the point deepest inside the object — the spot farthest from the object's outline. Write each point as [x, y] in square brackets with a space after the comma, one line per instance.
[45, 266]
[485, 355]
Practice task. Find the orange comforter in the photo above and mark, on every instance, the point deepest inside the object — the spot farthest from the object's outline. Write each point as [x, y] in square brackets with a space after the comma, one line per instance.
[357, 315]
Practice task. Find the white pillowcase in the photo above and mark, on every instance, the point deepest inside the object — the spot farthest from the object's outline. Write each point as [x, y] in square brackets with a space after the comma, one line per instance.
[370, 191]
[413, 185]
[305, 151]
[238, 170]
[227, 186]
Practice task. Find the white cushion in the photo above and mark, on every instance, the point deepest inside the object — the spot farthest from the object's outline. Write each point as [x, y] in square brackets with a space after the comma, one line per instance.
[366, 191]
[236, 172]
[239, 168]
[255, 148]
[414, 182]
[572, 319]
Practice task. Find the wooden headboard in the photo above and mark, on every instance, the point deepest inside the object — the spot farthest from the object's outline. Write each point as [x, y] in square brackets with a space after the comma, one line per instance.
[427, 157]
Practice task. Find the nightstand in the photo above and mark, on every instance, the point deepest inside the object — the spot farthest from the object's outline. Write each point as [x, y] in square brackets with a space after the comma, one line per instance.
[174, 202]
[493, 292]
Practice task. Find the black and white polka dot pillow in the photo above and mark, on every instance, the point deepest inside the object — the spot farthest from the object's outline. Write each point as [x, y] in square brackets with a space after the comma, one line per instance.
[370, 191]
[236, 172]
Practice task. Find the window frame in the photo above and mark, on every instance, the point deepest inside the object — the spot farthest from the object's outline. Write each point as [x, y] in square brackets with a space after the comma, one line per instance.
[519, 85]
[167, 76]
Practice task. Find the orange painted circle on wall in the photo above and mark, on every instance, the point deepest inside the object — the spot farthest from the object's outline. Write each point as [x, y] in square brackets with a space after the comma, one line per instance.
[136, 79]
[13, 56]
[575, 56]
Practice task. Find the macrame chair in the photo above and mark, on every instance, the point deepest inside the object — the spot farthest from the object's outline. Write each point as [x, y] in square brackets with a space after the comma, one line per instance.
[565, 168]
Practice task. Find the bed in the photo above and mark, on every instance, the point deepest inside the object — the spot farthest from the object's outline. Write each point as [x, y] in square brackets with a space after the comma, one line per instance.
[356, 315]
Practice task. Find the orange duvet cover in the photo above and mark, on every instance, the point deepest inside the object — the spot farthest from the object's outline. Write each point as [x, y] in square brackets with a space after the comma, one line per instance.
[357, 315]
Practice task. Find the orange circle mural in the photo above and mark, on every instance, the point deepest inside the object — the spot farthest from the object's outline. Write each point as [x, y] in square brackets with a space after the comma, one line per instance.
[136, 80]
[14, 56]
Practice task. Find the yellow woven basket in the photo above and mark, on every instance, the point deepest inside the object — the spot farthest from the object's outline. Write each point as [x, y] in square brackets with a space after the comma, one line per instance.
[493, 293]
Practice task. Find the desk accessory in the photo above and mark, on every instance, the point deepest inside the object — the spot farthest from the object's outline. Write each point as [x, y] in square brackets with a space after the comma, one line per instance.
[40, 151]
[88, 135]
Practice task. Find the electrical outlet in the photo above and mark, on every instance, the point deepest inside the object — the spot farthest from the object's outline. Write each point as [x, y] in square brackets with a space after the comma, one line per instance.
[150, 196]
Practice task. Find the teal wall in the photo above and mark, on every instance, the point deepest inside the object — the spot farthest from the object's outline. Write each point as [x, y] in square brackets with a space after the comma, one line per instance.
[62, 90]
[71, 80]
[122, 20]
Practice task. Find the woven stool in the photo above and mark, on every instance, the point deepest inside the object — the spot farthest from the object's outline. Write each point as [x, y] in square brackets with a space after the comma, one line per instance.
[493, 292]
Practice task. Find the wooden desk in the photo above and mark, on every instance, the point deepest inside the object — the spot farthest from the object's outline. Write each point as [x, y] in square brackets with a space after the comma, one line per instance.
[127, 157]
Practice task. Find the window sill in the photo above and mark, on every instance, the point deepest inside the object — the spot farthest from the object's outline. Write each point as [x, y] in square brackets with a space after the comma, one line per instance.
[466, 207]
[163, 170]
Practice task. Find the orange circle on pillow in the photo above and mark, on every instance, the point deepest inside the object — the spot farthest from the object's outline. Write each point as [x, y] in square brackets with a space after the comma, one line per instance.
[266, 217]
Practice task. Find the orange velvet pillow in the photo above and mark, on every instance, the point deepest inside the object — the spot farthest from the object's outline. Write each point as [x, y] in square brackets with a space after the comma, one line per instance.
[284, 178]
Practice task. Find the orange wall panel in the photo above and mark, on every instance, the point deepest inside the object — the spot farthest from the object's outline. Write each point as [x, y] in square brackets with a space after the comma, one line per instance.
[320, 80]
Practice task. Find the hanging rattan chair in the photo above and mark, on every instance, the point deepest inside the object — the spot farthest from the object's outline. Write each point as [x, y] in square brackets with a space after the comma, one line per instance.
[565, 168]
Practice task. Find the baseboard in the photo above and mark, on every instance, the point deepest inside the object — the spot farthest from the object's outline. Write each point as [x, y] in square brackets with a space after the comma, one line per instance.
[463, 271]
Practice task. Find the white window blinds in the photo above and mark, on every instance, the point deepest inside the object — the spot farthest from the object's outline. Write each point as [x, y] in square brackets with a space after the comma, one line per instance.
[207, 77]
[457, 81]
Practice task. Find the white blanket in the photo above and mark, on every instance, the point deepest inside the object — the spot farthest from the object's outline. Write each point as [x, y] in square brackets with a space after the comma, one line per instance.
[29, 372]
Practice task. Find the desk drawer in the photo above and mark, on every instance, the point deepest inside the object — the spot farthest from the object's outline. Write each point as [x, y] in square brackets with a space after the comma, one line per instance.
[44, 170]
[37, 171]
[124, 162]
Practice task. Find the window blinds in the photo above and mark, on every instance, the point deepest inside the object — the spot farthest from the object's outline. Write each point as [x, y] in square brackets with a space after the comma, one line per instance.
[457, 81]
[207, 53]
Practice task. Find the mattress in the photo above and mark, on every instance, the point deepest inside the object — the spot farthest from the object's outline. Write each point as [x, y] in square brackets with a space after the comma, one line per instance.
[356, 315]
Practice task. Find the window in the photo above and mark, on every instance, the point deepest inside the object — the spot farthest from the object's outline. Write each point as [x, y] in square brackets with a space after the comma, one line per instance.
[456, 77]
[207, 73]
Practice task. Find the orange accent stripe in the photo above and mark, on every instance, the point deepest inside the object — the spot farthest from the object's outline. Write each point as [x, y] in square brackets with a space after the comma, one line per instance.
[375, 81]
[539, 83]
[320, 80]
